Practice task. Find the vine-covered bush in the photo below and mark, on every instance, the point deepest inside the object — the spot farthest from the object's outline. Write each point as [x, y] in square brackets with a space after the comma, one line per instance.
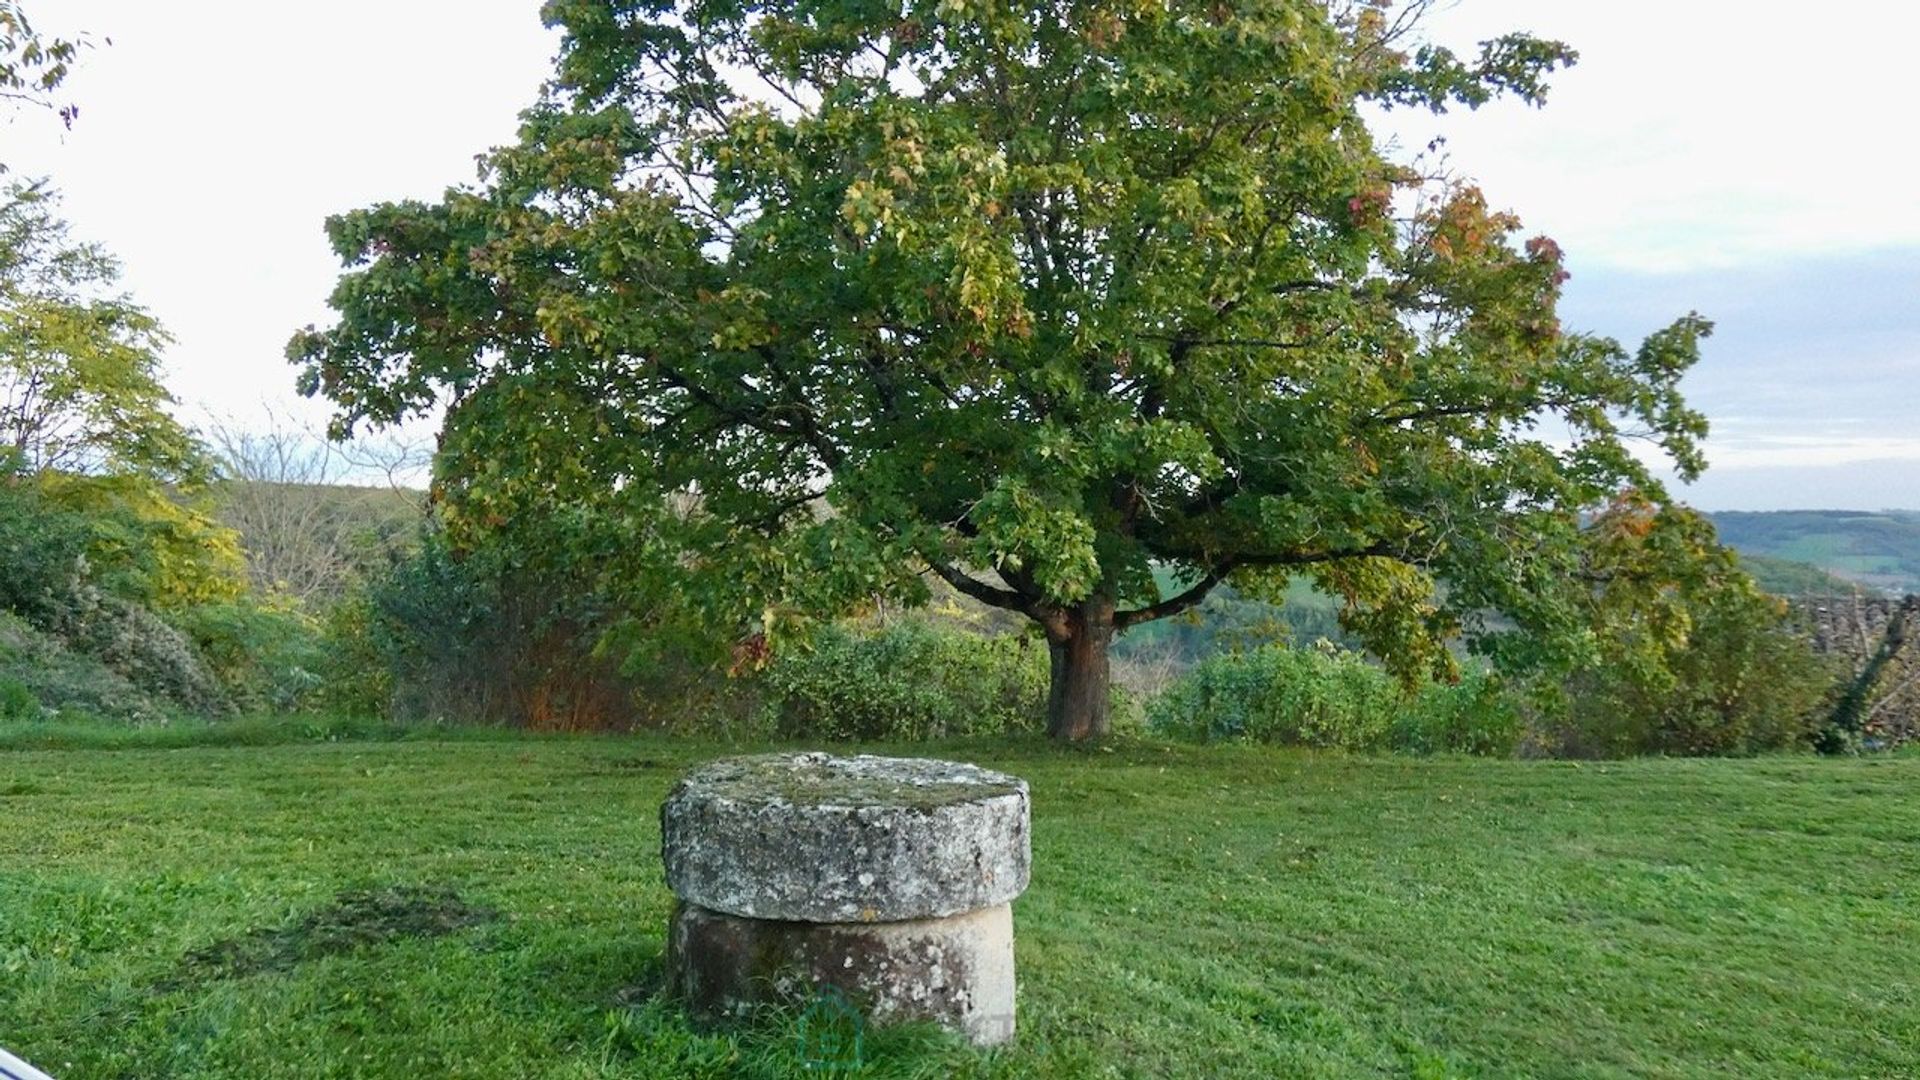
[907, 680]
[68, 682]
[145, 649]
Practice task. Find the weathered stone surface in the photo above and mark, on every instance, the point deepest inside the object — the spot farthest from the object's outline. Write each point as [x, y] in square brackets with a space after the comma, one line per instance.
[814, 838]
[956, 971]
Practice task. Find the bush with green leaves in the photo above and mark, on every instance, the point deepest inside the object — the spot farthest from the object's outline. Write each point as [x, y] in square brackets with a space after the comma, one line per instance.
[483, 633]
[1334, 698]
[1306, 697]
[43, 550]
[1476, 715]
[1741, 682]
[17, 702]
[267, 653]
[906, 680]
[1694, 662]
[355, 679]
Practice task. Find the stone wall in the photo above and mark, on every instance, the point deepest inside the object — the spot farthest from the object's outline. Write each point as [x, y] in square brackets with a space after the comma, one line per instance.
[1851, 627]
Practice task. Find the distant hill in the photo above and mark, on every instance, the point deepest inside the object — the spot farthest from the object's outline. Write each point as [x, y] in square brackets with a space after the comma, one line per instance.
[1880, 550]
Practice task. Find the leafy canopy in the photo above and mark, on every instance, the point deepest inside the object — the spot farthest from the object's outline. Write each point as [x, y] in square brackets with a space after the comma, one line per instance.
[87, 440]
[1059, 289]
[80, 387]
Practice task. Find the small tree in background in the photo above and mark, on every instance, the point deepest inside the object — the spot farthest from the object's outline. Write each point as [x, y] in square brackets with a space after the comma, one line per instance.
[1691, 657]
[80, 388]
[820, 298]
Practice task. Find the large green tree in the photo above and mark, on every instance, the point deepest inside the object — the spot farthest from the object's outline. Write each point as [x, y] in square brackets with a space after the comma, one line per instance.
[822, 296]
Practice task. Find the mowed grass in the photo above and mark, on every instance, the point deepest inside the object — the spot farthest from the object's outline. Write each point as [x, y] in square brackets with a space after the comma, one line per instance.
[1195, 911]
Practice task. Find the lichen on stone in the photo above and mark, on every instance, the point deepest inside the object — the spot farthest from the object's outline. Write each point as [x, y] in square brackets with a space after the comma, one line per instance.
[818, 779]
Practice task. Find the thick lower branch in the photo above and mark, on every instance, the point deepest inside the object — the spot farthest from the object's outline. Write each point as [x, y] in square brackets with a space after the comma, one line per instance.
[969, 585]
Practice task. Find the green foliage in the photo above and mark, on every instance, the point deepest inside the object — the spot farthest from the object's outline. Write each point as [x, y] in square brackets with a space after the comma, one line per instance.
[80, 363]
[43, 550]
[1476, 715]
[485, 635]
[906, 681]
[71, 683]
[1334, 698]
[33, 65]
[18, 702]
[1068, 296]
[1691, 657]
[268, 654]
[1301, 697]
[355, 675]
[150, 652]
[147, 543]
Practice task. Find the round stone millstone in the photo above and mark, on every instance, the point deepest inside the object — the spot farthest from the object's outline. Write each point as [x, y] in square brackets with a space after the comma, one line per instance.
[822, 839]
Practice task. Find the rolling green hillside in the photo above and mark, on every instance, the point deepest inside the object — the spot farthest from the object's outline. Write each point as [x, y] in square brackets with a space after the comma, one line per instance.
[1785, 577]
[1878, 549]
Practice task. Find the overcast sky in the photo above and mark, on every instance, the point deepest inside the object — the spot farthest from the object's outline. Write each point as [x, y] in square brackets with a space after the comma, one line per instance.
[1753, 162]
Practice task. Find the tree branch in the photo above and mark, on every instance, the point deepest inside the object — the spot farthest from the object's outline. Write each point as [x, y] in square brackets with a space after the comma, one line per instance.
[1174, 605]
[990, 595]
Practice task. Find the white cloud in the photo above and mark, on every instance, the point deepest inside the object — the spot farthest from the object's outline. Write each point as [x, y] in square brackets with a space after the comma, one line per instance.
[1794, 451]
[216, 136]
[1700, 133]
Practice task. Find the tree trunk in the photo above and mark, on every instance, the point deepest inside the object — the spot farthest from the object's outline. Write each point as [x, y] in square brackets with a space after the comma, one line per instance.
[1077, 697]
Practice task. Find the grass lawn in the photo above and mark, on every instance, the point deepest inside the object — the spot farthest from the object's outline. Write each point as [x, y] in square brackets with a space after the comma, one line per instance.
[179, 911]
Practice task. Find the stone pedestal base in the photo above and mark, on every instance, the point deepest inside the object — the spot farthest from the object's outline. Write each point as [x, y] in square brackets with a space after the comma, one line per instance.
[956, 971]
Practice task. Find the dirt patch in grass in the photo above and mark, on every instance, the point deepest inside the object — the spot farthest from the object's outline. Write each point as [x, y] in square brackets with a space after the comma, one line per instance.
[357, 919]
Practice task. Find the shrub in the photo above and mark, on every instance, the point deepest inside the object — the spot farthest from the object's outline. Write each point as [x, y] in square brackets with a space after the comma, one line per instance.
[266, 654]
[17, 703]
[1689, 656]
[907, 680]
[1330, 697]
[1473, 716]
[145, 650]
[354, 675]
[1742, 683]
[1306, 697]
[67, 681]
[476, 636]
[42, 552]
